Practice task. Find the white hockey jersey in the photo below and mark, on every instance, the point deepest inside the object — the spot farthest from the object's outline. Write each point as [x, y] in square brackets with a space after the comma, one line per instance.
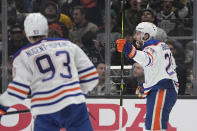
[56, 71]
[158, 63]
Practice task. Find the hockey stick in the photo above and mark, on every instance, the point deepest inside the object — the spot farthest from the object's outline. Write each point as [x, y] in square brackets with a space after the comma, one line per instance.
[28, 111]
[17, 112]
[122, 68]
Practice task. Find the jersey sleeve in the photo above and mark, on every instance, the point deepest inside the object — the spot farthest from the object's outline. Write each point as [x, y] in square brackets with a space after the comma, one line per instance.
[88, 75]
[19, 88]
[145, 57]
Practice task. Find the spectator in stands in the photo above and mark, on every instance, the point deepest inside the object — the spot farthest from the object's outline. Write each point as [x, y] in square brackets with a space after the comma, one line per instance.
[94, 7]
[16, 12]
[148, 16]
[53, 33]
[62, 7]
[38, 5]
[12, 17]
[9, 69]
[180, 69]
[133, 13]
[68, 5]
[100, 89]
[51, 11]
[189, 53]
[172, 21]
[66, 20]
[94, 51]
[16, 40]
[81, 25]
[136, 79]
[114, 35]
[21, 6]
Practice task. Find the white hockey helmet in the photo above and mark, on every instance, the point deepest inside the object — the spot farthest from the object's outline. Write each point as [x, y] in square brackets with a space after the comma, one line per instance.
[147, 28]
[36, 24]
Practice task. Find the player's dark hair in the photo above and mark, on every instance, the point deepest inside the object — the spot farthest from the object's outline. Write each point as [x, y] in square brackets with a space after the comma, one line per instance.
[37, 38]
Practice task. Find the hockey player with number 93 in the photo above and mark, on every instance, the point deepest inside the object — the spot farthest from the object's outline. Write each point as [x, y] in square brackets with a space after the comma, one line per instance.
[161, 84]
[58, 74]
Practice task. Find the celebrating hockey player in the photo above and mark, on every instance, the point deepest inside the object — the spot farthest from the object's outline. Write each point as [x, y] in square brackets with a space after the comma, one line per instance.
[57, 73]
[161, 84]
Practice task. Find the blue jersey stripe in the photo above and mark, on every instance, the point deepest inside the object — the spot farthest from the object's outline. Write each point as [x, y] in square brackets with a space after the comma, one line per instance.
[17, 96]
[47, 92]
[150, 42]
[47, 104]
[90, 68]
[84, 81]
[149, 61]
[20, 84]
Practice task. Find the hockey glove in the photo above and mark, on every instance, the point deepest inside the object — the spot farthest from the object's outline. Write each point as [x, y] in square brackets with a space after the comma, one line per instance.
[127, 48]
[3, 110]
[140, 92]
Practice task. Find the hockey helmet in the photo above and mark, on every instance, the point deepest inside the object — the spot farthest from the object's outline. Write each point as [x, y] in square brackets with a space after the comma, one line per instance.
[147, 28]
[36, 24]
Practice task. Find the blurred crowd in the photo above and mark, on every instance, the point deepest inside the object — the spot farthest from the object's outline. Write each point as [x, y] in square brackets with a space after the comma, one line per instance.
[83, 22]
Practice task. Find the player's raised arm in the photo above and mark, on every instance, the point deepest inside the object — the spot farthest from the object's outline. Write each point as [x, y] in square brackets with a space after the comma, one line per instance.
[144, 32]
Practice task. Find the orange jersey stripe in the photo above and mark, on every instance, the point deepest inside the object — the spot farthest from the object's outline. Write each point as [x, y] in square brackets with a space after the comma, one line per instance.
[93, 73]
[159, 103]
[18, 90]
[51, 97]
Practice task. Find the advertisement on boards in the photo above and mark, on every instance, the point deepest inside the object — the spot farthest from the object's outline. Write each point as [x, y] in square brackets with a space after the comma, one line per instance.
[104, 115]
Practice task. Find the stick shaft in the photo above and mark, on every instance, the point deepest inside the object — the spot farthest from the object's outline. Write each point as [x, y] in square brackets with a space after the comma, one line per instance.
[28, 111]
[17, 112]
[122, 68]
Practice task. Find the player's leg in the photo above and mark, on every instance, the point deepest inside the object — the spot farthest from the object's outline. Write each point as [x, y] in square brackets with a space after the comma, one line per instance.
[75, 118]
[159, 105]
[45, 123]
[150, 102]
[170, 100]
[80, 119]
[83, 126]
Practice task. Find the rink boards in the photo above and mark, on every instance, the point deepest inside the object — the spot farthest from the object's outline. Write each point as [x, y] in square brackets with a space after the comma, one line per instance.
[104, 115]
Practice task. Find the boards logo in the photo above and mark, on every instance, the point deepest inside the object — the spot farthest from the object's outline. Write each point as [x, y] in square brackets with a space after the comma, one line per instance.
[104, 117]
[23, 122]
[134, 125]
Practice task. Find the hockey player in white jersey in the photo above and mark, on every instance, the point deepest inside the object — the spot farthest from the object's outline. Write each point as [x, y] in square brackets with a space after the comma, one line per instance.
[58, 74]
[161, 84]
